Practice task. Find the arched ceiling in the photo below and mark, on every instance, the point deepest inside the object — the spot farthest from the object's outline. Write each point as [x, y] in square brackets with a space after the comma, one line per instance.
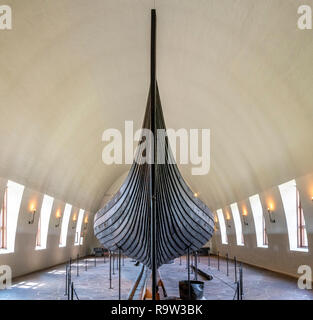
[72, 68]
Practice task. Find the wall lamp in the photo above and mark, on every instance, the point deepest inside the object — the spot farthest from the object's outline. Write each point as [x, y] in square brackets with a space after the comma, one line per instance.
[227, 221]
[74, 220]
[244, 217]
[270, 213]
[32, 213]
[58, 216]
[86, 223]
[215, 223]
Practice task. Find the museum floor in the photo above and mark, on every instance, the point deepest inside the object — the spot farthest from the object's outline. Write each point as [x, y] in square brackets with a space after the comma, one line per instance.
[94, 283]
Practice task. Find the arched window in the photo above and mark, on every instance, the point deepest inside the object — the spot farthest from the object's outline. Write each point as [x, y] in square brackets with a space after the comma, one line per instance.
[237, 222]
[10, 209]
[43, 223]
[65, 221]
[79, 227]
[294, 216]
[259, 221]
[221, 221]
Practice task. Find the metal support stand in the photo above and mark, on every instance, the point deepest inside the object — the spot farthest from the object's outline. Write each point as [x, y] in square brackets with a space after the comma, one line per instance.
[191, 263]
[153, 168]
[196, 265]
[218, 261]
[95, 260]
[180, 260]
[86, 264]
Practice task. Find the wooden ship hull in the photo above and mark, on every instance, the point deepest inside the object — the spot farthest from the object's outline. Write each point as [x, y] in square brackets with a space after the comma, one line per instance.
[154, 217]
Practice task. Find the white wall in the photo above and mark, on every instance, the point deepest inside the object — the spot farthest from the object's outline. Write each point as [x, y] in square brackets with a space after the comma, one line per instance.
[277, 256]
[25, 258]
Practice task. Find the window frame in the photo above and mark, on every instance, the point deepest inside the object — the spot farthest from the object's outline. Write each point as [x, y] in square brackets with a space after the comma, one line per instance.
[38, 235]
[4, 220]
[302, 240]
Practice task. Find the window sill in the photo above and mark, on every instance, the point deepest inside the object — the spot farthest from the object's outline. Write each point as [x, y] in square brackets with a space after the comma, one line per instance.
[300, 250]
[5, 251]
[39, 248]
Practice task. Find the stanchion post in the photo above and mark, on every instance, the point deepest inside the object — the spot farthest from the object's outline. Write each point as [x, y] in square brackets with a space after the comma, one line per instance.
[66, 274]
[180, 260]
[209, 262]
[235, 262]
[218, 261]
[196, 265]
[227, 272]
[113, 260]
[69, 281]
[77, 265]
[72, 291]
[86, 265]
[110, 270]
[95, 260]
[237, 290]
[188, 267]
[119, 274]
[241, 281]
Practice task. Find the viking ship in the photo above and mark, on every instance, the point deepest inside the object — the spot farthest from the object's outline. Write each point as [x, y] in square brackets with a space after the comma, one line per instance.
[154, 217]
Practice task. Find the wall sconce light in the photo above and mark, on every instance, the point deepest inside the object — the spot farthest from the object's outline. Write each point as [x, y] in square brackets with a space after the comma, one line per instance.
[196, 194]
[227, 220]
[244, 217]
[32, 213]
[85, 222]
[215, 223]
[270, 213]
[74, 220]
[58, 216]
[312, 198]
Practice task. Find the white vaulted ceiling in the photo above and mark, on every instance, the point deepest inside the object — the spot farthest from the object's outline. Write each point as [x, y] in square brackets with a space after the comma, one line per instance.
[72, 68]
